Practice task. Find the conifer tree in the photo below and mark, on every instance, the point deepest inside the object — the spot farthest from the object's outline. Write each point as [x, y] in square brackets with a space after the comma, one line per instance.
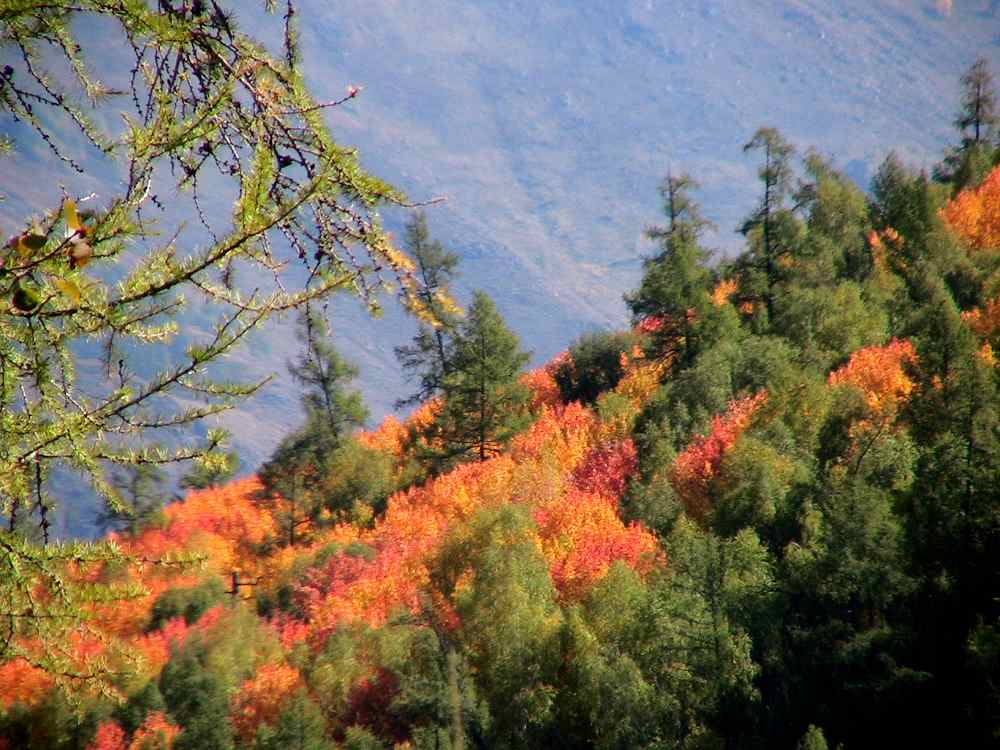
[676, 281]
[771, 228]
[142, 491]
[331, 409]
[300, 726]
[484, 403]
[427, 357]
[211, 474]
[968, 163]
[293, 477]
[979, 102]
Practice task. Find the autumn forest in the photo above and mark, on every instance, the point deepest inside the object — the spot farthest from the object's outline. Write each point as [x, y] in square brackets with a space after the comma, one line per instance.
[766, 515]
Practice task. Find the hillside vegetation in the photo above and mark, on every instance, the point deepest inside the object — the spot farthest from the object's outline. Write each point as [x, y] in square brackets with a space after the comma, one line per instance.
[766, 516]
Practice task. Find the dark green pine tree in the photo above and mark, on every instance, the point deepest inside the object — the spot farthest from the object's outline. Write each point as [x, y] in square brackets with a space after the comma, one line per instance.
[979, 102]
[969, 162]
[134, 711]
[332, 410]
[142, 491]
[772, 229]
[426, 359]
[485, 405]
[829, 305]
[292, 477]
[676, 281]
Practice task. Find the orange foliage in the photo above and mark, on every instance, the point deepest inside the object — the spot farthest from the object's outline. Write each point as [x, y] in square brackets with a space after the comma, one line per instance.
[261, 698]
[974, 214]
[225, 524]
[569, 469]
[880, 372]
[984, 321]
[724, 291]
[542, 382]
[582, 535]
[696, 467]
[642, 377]
[110, 736]
[563, 467]
[156, 733]
[390, 437]
[987, 355]
[20, 682]
[157, 645]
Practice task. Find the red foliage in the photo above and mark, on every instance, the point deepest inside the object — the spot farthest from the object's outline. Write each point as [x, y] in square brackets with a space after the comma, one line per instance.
[581, 536]
[651, 324]
[696, 467]
[370, 701]
[110, 736]
[606, 470]
[289, 630]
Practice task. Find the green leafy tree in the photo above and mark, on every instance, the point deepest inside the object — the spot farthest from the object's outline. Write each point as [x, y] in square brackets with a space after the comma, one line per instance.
[509, 619]
[484, 405]
[300, 726]
[197, 699]
[427, 357]
[134, 711]
[813, 739]
[594, 365]
[189, 603]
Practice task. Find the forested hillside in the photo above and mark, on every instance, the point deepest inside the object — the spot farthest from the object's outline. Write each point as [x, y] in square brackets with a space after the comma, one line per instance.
[764, 515]
[548, 127]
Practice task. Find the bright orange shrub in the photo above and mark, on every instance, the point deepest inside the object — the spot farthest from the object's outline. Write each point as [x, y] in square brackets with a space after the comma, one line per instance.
[880, 371]
[974, 214]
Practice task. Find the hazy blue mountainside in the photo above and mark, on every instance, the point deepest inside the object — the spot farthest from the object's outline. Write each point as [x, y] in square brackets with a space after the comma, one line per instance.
[548, 126]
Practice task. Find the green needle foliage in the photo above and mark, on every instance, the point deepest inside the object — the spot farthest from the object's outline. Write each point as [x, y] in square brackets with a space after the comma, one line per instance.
[206, 112]
[484, 403]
